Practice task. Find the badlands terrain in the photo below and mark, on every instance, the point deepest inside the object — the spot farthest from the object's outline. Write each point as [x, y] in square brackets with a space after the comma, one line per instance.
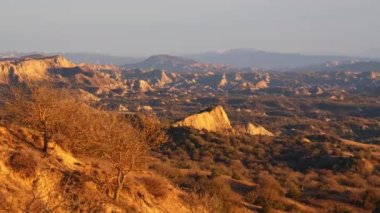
[171, 134]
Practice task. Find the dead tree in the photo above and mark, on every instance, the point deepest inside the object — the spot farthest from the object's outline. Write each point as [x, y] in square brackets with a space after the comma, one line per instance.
[39, 107]
[110, 136]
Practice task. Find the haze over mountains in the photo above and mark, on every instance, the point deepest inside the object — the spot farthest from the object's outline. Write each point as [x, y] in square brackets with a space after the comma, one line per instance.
[237, 58]
[267, 60]
[90, 58]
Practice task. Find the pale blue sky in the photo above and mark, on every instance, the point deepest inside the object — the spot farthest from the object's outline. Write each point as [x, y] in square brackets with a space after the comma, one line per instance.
[144, 27]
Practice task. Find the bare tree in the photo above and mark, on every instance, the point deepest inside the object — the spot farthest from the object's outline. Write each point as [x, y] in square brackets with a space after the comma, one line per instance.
[40, 107]
[113, 137]
[122, 146]
[152, 131]
[90, 132]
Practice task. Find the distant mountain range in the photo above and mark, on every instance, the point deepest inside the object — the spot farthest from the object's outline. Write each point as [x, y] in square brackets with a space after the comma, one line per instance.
[90, 58]
[96, 58]
[176, 64]
[238, 58]
[267, 60]
[358, 66]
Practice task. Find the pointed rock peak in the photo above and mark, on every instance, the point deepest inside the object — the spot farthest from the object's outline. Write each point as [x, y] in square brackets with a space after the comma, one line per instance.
[238, 77]
[257, 130]
[164, 76]
[213, 109]
[223, 82]
[213, 119]
[261, 84]
[139, 86]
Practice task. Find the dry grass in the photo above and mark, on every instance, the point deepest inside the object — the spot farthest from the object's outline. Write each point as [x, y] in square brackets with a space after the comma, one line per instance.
[22, 163]
[155, 186]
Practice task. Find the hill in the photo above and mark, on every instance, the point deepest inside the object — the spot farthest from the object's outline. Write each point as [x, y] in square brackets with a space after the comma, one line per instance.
[336, 66]
[265, 60]
[88, 58]
[96, 58]
[175, 64]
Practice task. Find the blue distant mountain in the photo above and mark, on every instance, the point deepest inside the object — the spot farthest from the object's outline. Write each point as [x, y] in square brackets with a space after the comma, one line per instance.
[267, 60]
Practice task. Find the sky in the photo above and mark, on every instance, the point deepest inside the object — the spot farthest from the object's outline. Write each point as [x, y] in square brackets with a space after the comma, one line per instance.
[146, 27]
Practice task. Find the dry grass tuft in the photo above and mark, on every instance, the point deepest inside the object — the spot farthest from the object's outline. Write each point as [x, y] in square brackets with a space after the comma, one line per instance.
[24, 164]
[155, 186]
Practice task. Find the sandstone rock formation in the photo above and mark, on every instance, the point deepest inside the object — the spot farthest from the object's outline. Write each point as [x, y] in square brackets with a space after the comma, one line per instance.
[57, 70]
[257, 130]
[238, 77]
[261, 84]
[157, 78]
[212, 119]
[139, 86]
[223, 82]
[161, 78]
[32, 68]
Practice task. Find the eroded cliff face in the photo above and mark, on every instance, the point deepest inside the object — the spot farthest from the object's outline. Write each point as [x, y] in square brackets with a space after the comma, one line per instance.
[31, 68]
[57, 70]
[213, 119]
[257, 130]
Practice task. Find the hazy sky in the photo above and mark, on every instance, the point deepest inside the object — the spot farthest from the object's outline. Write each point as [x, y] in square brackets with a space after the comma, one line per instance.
[144, 27]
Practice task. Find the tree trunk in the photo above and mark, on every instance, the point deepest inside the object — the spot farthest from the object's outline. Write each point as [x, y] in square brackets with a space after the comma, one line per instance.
[46, 140]
[120, 184]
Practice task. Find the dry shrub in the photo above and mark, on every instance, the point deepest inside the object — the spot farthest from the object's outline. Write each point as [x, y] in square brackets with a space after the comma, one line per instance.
[205, 203]
[207, 193]
[77, 197]
[166, 170]
[268, 194]
[353, 180]
[73, 180]
[155, 186]
[371, 198]
[341, 209]
[5, 206]
[294, 191]
[374, 180]
[24, 164]
[329, 183]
